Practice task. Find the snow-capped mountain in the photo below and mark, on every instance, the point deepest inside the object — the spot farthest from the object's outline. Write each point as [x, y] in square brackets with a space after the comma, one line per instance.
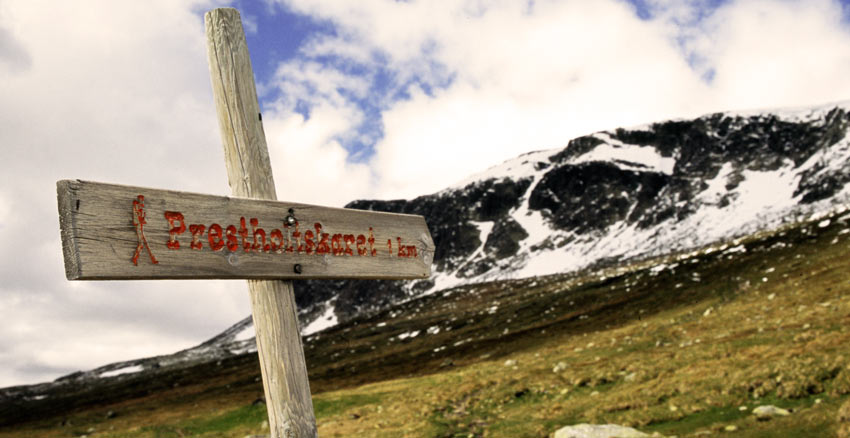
[609, 197]
[601, 200]
[612, 196]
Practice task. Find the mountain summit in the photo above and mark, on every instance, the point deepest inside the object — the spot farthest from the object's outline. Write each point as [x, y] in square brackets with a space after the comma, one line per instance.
[613, 196]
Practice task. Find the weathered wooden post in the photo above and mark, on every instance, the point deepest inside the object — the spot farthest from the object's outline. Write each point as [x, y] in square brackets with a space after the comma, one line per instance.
[114, 232]
[250, 174]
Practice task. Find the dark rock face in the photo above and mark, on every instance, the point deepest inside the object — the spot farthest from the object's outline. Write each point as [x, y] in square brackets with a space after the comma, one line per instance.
[450, 216]
[826, 178]
[576, 148]
[584, 197]
[504, 239]
[592, 196]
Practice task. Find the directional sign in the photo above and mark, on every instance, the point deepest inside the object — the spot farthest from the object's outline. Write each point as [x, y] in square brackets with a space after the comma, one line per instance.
[120, 232]
[113, 232]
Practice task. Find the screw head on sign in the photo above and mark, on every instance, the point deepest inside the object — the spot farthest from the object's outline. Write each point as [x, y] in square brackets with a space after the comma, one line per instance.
[297, 269]
[290, 220]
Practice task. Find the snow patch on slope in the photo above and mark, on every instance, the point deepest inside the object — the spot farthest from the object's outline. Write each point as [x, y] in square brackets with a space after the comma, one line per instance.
[627, 156]
[524, 166]
[124, 370]
[531, 220]
[447, 280]
[246, 334]
[716, 186]
[326, 320]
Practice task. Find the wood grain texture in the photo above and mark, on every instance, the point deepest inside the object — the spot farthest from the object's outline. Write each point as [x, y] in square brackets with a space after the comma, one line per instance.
[245, 149]
[284, 371]
[99, 237]
[67, 213]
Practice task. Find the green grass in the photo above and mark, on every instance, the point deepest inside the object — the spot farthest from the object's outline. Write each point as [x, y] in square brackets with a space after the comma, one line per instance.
[218, 425]
[647, 355]
[702, 420]
[329, 407]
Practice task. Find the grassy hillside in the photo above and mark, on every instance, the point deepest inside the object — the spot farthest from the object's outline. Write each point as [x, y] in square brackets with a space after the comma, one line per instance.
[680, 346]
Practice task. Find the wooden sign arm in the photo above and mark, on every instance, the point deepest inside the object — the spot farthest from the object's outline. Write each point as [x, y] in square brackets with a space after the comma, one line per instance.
[117, 232]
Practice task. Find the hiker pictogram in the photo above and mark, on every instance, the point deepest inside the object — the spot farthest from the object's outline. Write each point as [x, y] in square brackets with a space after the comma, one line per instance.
[139, 221]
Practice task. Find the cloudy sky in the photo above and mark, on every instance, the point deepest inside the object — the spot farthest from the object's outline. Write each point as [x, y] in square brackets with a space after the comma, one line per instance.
[366, 98]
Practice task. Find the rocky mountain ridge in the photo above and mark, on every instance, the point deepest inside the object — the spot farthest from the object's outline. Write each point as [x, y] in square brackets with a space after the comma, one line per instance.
[616, 195]
[604, 199]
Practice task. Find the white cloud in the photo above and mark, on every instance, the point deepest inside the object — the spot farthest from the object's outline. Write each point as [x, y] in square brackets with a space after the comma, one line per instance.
[504, 77]
[332, 45]
[520, 79]
[92, 324]
[310, 165]
[116, 92]
[768, 53]
[315, 83]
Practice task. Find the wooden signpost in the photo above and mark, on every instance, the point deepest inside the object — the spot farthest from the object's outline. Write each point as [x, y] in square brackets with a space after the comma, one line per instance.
[113, 232]
[186, 235]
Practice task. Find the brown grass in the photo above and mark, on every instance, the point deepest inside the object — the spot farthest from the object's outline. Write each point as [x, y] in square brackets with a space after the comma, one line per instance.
[679, 352]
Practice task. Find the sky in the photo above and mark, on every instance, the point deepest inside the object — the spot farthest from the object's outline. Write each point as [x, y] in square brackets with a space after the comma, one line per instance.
[363, 99]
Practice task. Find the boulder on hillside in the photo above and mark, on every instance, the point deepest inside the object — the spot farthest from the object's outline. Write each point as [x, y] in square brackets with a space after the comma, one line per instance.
[600, 431]
[764, 413]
